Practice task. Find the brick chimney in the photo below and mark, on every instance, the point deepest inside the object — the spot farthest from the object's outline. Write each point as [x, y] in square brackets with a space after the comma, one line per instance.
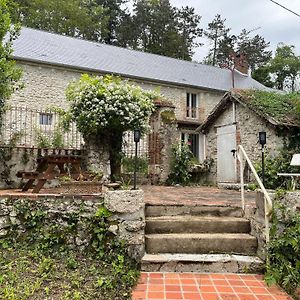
[241, 63]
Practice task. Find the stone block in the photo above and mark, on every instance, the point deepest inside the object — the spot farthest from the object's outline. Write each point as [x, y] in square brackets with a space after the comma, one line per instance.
[124, 201]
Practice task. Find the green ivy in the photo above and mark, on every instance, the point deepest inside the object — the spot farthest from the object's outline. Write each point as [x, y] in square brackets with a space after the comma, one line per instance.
[284, 248]
[41, 262]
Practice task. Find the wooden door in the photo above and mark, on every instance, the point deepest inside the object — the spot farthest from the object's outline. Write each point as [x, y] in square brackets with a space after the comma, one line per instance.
[226, 159]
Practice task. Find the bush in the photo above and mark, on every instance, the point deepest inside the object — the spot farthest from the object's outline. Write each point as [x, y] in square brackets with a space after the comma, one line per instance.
[284, 249]
[128, 164]
[182, 161]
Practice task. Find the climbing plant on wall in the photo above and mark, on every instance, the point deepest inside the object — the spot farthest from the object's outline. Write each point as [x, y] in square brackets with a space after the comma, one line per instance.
[106, 107]
[10, 73]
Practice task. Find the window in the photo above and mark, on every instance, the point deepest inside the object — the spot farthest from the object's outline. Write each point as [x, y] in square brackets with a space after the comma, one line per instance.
[45, 119]
[196, 144]
[191, 105]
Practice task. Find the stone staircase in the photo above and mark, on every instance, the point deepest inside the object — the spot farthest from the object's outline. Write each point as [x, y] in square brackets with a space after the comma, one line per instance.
[199, 239]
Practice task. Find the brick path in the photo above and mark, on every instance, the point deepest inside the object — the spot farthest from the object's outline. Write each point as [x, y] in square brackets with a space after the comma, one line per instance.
[171, 286]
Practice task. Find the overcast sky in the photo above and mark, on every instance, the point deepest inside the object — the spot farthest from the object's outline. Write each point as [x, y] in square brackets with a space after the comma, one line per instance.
[277, 25]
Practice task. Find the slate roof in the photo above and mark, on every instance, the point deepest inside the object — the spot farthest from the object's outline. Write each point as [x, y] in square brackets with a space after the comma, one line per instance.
[44, 47]
[286, 120]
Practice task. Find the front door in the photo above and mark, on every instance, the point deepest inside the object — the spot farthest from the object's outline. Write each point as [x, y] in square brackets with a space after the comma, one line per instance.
[226, 160]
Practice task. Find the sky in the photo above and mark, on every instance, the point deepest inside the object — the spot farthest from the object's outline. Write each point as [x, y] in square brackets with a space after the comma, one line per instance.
[277, 25]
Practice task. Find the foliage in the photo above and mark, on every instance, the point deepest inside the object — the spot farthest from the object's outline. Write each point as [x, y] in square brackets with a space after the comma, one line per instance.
[160, 28]
[55, 140]
[168, 117]
[128, 164]
[101, 104]
[274, 165]
[262, 75]
[181, 164]
[281, 162]
[225, 44]
[153, 26]
[78, 18]
[280, 106]
[41, 263]
[10, 73]
[106, 107]
[215, 32]
[285, 66]
[117, 17]
[284, 249]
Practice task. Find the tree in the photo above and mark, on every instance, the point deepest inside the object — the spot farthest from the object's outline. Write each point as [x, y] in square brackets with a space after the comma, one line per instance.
[254, 48]
[163, 29]
[285, 66]
[117, 17]
[216, 32]
[79, 18]
[104, 108]
[263, 76]
[226, 44]
[10, 73]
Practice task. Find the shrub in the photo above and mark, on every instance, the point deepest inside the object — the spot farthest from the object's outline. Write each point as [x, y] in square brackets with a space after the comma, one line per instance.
[182, 160]
[284, 249]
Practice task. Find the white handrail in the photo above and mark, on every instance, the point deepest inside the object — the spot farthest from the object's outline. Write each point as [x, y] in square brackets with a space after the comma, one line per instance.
[267, 200]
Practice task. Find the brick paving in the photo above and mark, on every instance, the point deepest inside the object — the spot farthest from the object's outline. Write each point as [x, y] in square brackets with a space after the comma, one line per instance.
[171, 286]
[194, 195]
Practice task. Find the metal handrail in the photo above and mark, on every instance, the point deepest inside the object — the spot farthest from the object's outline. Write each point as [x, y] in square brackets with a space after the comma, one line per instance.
[241, 154]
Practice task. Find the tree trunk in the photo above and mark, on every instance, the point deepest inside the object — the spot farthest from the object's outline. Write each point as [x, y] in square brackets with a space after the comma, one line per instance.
[115, 154]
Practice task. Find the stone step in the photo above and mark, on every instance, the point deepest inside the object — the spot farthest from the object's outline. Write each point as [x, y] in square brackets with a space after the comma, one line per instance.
[201, 243]
[202, 263]
[196, 224]
[193, 210]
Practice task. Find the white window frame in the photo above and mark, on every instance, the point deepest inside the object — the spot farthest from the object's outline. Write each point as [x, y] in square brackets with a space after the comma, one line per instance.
[189, 106]
[201, 146]
[45, 119]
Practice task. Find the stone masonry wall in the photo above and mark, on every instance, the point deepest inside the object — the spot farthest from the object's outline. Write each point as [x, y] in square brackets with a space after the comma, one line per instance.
[45, 86]
[291, 200]
[14, 160]
[248, 127]
[127, 219]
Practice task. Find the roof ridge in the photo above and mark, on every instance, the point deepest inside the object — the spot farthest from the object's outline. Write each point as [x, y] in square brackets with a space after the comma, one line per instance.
[130, 50]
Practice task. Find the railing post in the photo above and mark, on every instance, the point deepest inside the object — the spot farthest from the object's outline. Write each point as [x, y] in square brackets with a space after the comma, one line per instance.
[241, 160]
[267, 200]
[267, 223]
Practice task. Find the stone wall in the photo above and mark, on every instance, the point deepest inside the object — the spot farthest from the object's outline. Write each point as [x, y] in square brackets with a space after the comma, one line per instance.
[162, 138]
[45, 86]
[291, 200]
[127, 219]
[248, 127]
[14, 160]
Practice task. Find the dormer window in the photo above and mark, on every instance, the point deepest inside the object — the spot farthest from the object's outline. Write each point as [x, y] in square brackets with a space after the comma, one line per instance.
[191, 106]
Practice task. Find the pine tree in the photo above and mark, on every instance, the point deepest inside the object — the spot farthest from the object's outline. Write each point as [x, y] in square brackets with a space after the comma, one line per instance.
[217, 33]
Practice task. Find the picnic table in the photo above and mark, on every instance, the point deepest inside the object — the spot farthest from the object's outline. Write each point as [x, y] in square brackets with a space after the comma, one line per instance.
[49, 167]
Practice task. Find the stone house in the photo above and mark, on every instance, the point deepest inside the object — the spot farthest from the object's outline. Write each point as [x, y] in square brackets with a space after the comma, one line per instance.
[51, 61]
[236, 121]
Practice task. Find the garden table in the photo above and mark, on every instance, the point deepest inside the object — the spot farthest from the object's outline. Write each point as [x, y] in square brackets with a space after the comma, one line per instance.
[46, 170]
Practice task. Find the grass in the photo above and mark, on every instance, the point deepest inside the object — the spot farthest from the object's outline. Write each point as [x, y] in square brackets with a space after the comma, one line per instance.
[29, 273]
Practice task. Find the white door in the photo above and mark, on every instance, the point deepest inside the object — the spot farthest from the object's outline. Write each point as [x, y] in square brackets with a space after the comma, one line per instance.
[226, 159]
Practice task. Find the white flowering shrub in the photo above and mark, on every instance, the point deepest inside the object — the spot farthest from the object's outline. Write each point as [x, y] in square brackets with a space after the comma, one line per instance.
[106, 107]
[107, 104]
